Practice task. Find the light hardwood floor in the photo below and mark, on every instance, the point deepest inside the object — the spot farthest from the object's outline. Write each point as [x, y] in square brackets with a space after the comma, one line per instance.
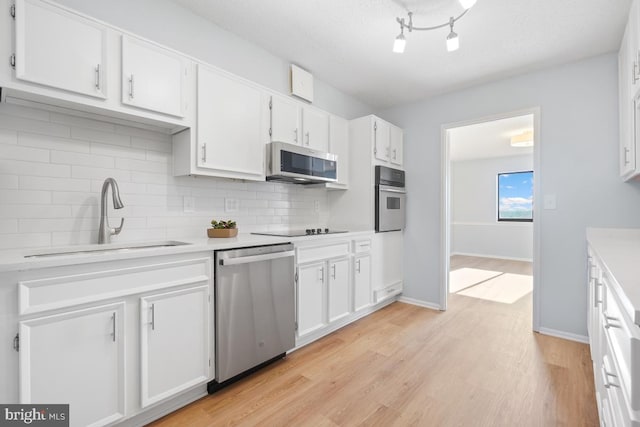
[477, 364]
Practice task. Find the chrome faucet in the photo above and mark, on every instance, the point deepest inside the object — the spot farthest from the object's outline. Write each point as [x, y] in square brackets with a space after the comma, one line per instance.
[105, 232]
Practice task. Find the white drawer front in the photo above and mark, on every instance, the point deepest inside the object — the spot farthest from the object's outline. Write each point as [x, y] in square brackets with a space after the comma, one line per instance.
[315, 253]
[62, 291]
[623, 337]
[362, 246]
[388, 292]
[612, 395]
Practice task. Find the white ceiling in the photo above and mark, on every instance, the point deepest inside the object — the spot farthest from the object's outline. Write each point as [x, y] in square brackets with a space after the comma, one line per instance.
[488, 139]
[347, 43]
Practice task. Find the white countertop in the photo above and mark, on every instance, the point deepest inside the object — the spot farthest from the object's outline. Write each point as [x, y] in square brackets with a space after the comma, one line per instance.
[619, 250]
[14, 260]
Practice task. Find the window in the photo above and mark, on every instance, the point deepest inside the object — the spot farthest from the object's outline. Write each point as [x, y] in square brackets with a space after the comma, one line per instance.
[515, 196]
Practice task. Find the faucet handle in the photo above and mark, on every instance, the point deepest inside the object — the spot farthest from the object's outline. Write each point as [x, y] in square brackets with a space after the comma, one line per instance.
[117, 230]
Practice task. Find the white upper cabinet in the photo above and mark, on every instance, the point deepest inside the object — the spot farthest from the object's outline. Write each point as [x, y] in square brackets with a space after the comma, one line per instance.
[153, 78]
[76, 357]
[628, 85]
[174, 335]
[285, 120]
[229, 126]
[315, 124]
[381, 140]
[395, 145]
[296, 123]
[59, 49]
[339, 145]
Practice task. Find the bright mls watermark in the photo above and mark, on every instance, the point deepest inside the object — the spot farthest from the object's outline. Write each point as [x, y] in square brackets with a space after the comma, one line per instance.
[34, 415]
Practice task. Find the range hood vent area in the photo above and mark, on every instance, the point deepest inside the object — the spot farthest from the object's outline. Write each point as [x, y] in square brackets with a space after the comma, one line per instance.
[300, 165]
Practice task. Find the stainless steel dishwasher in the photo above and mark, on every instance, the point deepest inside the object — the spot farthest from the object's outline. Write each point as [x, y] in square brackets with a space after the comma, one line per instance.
[255, 309]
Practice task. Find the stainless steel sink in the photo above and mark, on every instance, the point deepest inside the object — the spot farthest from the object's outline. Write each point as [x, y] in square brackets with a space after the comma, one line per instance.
[104, 249]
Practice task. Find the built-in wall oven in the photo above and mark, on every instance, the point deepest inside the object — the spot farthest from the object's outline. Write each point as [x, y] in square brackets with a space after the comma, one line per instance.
[390, 199]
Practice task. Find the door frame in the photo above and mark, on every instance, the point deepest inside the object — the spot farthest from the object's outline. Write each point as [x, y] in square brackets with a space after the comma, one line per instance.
[445, 204]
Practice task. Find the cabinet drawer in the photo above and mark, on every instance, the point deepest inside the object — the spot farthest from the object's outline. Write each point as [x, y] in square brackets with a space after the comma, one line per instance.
[59, 290]
[315, 253]
[362, 245]
[614, 404]
[388, 292]
[623, 339]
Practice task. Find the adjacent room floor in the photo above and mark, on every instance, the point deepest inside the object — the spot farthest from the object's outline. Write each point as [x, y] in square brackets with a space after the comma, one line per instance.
[477, 364]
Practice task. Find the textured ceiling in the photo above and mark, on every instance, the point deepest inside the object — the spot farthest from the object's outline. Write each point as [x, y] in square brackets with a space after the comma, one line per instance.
[347, 43]
[489, 139]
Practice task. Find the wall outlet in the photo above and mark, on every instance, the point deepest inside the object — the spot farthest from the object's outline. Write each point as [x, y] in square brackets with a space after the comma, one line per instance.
[189, 204]
[316, 205]
[549, 202]
[231, 205]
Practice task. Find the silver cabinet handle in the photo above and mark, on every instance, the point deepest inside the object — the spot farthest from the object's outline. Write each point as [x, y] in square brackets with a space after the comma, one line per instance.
[307, 138]
[131, 87]
[608, 319]
[98, 77]
[606, 375]
[394, 154]
[387, 150]
[321, 274]
[634, 77]
[358, 266]
[113, 330]
[204, 152]
[153, 317]
[333, 271]
[295, 135]
[375, 137]
[626, 160]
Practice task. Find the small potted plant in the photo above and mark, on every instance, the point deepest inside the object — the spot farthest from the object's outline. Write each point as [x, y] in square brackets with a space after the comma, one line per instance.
[222, 229]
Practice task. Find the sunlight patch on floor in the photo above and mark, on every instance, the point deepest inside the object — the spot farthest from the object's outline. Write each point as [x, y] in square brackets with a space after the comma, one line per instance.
[506, 288]
[466, 277]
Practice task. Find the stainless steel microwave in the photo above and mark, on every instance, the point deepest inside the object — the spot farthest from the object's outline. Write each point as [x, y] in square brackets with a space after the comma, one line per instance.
[300, 165]
[390, 199]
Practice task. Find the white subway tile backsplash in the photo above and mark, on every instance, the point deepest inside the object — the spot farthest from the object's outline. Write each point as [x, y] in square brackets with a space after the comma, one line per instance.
[9, 181]
[94, 135]
[17, 167]
[8, 136]
[53, 165]
[69, 158]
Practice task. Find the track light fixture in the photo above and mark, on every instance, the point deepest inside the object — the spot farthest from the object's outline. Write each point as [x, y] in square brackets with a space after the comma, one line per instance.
[453, 42]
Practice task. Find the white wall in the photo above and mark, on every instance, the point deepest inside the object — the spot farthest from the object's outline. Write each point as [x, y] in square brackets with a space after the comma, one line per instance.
[172, 25]
[579, 164]
[474, 228]
[52, 167]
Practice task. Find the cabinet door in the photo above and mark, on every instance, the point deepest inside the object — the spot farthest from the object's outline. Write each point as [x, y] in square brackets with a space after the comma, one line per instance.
[174, 339]
[339, 145]
[311, 298]
[381, 148]
[229, 122]
[153, 78]
[339, 304]
[76, 358]
[627, 70]
[59, 49]
[316, 129]
[395, 145]
[362, 282]
[285, 121]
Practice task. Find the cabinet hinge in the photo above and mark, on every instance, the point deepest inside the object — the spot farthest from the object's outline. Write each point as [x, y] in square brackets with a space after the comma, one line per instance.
[16, 342]
[270, 103]
[12, 60]
[296, 277]
[270, 132]
[209, 362]
[375, 125]
[12, 11]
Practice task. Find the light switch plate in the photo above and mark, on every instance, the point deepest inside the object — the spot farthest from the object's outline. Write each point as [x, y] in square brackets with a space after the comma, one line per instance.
[549, 202]
[189, 204]
[231, 205]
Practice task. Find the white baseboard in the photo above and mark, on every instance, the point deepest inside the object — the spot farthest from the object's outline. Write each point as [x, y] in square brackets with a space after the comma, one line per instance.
[419, 303]
[492, 256]
[565, 335]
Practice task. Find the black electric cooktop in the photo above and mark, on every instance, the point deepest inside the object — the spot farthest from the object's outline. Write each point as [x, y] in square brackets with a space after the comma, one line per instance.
[298, 233]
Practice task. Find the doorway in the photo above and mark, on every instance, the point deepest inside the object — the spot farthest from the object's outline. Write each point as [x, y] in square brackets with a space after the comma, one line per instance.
[490, 239]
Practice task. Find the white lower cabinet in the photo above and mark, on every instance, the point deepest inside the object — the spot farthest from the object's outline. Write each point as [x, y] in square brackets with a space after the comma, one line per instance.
[174, 342]
[76, 357]
[361, 282]
[311, 301]
[339, 301]
[113, 339]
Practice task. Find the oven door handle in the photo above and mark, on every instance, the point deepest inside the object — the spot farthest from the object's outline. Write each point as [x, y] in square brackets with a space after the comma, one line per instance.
[392, 190]
[255, 258]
